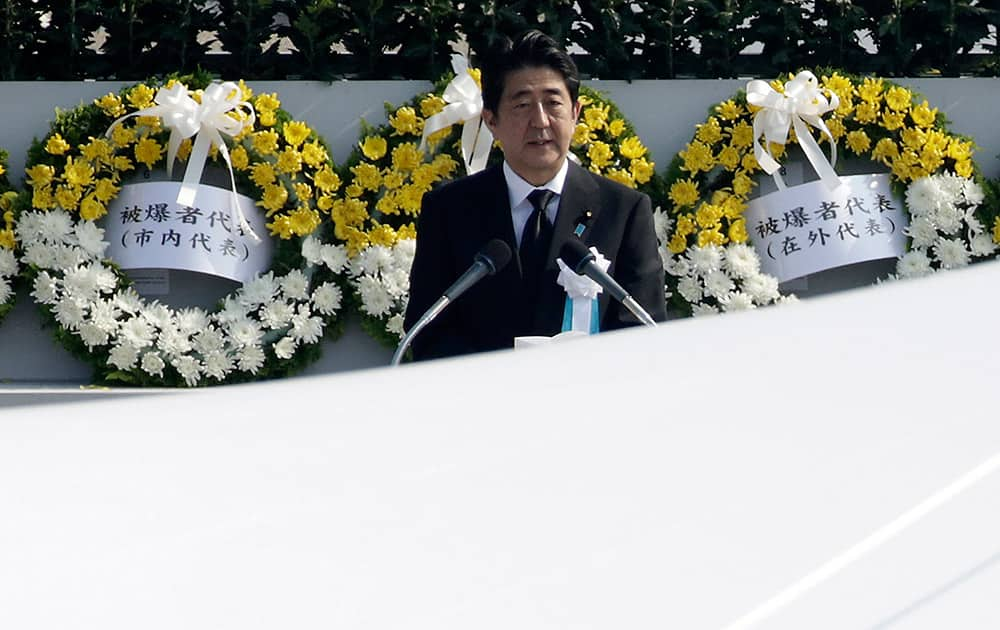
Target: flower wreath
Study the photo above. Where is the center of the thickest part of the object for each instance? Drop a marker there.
(387, 175)
(269, 327)
(711, 266)
(9, 266)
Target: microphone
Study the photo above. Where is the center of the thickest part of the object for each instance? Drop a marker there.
(581, 260)
(493, 257)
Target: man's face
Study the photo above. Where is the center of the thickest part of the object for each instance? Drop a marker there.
(534, 122)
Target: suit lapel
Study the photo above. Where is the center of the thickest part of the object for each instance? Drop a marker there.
(580, 195)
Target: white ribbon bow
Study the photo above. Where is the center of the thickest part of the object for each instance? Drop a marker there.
(582, 291)
(185, 117)
(465, 105)
(801, 105)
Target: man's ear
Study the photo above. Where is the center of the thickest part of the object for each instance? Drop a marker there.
(490, 118)
(577, 107)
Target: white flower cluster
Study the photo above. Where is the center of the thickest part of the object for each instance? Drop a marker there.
(83, 295)
(944, 232)
(717, 279)
(8, 269)
(381, 277)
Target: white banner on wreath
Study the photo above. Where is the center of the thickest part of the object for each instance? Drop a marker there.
(147, 228)
(810, 228)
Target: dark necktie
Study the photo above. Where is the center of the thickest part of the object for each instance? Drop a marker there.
(537, 234)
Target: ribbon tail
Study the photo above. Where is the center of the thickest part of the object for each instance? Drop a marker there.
(192, 174)
(173, 145)
(481, 147)
(815, 155)
(764, 157)
(443, 119)
(235, 211)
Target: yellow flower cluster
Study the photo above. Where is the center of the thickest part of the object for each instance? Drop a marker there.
(284, 160)
(7, 239)
(605, 145)
(880, 121)
(387, 182)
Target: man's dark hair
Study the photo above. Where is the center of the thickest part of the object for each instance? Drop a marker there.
(531, 49)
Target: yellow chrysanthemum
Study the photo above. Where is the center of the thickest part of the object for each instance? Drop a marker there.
(296, 132)
(326, 180)
(111, 105)
(677, 244)
(892, 120)
(836, 127)
(708, 215)
(393, 180)
(749, 163)
(281, 226)
(383, 235)
(148, 152)
(711, 236)
(697, 157)
(729, 157)
(42, 198)
(184, 150)
(408, 231)
(898, 98)
(40, 175)
(388, 204)
(959, 150)
(996, 230)
(616, 127)
(303, 191)
(56, 145)
(729, 110)
(367, 176)
(600, 154)
(105, 190)
(583, 134)
(265, 142)
(430, 105)
(141, 96)
(632, 148)
(262, 174)
(709, 132)
(858, 141)
(870, 91)
(866, 112)
(7, 240)
(642, 170)
(738, 231)
(267, 102)
(78, 173)
(839, 85)
(686, 225)
(741, 135)
(373, 147)
(406, 157)
(303, 221)
(274, 198)
(410, 198)
(91, 209)
(289, 161)
(621, 176)
(268, 118)
(963, 168)
(683, 193)
(96, 150)
(68, 197)
(314, 154)
(405, 121)
(122, 164)
(444, 165)
(885, 151)
(923, 115)
(240, 158)
(596, 116)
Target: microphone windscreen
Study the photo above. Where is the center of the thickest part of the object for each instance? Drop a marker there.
(497, 253)
(575, 253)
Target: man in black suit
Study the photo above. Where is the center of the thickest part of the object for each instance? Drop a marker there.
(530, 90)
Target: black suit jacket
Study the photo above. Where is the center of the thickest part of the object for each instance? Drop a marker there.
(458, 219)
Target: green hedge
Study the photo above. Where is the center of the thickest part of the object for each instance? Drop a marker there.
(376, 39)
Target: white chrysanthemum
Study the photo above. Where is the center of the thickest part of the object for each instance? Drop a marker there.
(231, 311)
(67, 257)
(375, 300)
(152, 364)
(106, 279)
(40, 255)
(158, 315)
(191, 320)
(285, 348)
(295, 285)
(973, 192)
(705, 259)
(276, 315)
(951, 253)
(217, 365)
(761, 287)
(128, 301)
(260, 290)
(700, 310)
(791, 298)
(8, 262)
(104, 314)
(250, 359)
(312, 249)
(677, 266)
(403, 252)
(718, 284)
(6, 291)
(973, 224)
(982, 245)
(174, 342)
(741, 260)
(138, 332)
(189, 368)
(327, 298)
(690, 289)
(372, 260)
(951, 185)
(91, 238)
(46, 288)
(913, 264)
(922, 231)
(93, 335)
(27, 228)
(947, 218)
(209, 341)
(69, 313)
(923, 196)
(245, 332)
(737, 301)
(334, 257)
(663, 225)
(123, 356)
(305, 327)
(396, 281)
(55, 226)
(395, 324)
